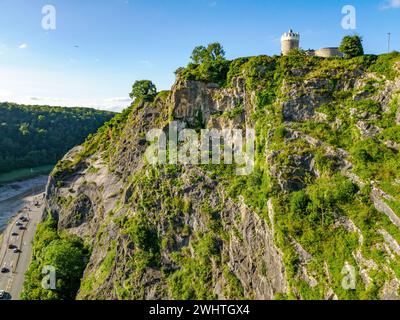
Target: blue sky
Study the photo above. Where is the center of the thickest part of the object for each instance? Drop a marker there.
(100, 47)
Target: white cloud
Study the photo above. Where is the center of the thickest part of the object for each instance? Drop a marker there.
(119, 99)
(23, 46)
(35, 98)
(390, 4)
(52, 99)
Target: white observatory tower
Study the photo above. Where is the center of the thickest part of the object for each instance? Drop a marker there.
(290, 40)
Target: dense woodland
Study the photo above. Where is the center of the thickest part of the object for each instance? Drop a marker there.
(32, 136)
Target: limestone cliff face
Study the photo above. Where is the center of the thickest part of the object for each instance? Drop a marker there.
(285, 231)
(91, 199)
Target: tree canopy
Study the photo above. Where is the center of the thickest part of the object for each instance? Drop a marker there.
(207, 64)
(66, 253)
(32, 136)
(213, 52)
(143, 90)
(352, 46)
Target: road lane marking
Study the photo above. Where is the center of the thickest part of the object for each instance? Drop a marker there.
(10, 283)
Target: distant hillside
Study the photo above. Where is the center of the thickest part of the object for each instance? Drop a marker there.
(32, 136)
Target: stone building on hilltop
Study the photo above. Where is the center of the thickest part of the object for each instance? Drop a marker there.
(291, 40)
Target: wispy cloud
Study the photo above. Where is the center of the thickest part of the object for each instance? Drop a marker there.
(390, 4)
(53, 99)
(147, 63)
(119, 99)
(23, 46)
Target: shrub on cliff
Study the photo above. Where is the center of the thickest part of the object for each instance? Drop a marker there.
(143, 90)
(352, 46)
(207, 64)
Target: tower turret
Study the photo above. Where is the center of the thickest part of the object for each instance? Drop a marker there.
(290, 40)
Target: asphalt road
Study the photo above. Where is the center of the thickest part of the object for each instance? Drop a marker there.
(17, 262)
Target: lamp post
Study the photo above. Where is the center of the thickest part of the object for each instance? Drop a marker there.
(389, 38)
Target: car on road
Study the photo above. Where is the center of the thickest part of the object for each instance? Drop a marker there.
(21, 228)
(2, 294)
(16, 250)
(14, 234)
(11, 246)
(5, 270)
(19, 224)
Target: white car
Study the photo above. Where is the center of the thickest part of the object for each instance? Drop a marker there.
(2, 294)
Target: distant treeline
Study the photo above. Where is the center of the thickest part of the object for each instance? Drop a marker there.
(32, 136)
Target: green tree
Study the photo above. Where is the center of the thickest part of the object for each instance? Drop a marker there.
(69, 260)
(207, 64)
(213, 52)
(143, 90)
(199, 55)
(24, 129)
(66, 253)
(352, 46)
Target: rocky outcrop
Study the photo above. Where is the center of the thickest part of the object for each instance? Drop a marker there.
(386, 95)
(368, 130)
(254, 257)
(302, 99)
(382, 206)
(199, 103)
(203, 230)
